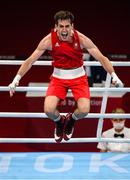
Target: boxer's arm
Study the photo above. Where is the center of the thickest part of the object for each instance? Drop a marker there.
(96, 53)
(41, 48)
(44, 44)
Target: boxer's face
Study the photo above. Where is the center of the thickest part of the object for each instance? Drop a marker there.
(64, 29)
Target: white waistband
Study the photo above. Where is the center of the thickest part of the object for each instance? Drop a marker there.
(68, 73)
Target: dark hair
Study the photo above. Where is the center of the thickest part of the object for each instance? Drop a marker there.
(63, 15)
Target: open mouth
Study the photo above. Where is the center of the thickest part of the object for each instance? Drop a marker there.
(64, 34)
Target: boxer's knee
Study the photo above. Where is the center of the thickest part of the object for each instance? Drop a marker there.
(50, 107)
(83, 105)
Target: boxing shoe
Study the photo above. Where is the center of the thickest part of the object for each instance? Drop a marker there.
(59, 127)
(69, 127)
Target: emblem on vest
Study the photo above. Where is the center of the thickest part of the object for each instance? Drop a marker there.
(57, 44)
(76, 45)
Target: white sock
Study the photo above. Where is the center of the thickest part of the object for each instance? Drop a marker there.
(74, 117)
(57, 119)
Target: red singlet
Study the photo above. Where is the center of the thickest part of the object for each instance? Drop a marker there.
(66, 55)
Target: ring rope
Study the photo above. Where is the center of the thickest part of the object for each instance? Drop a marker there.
(72, 140)
(49, 63)
(92, 89)
(43, 115)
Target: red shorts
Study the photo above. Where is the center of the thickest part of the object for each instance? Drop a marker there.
(78, 86)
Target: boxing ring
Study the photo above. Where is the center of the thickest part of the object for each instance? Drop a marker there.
(57, 165)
